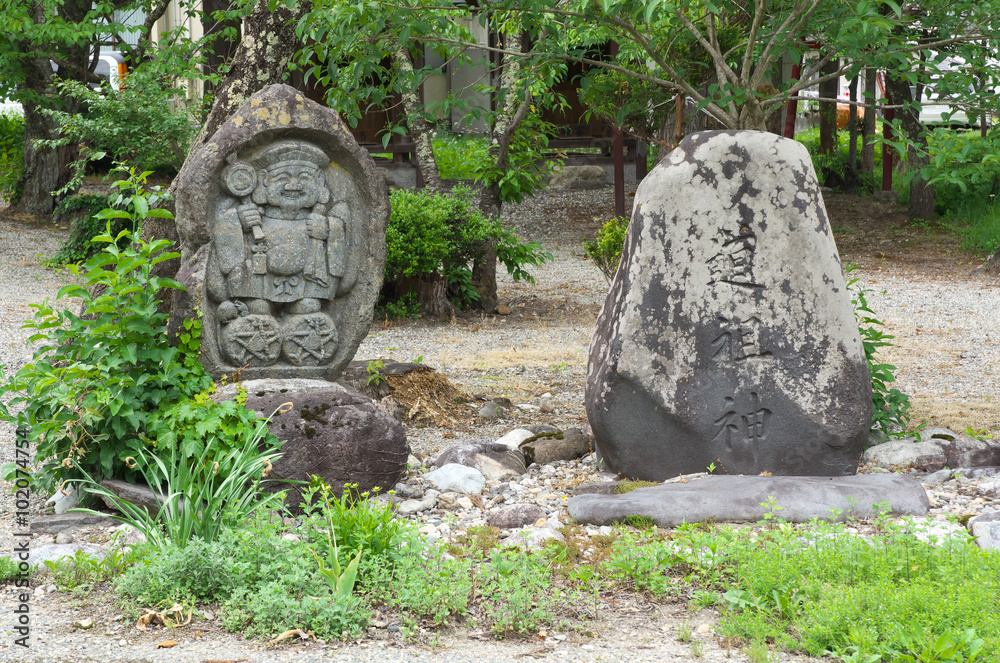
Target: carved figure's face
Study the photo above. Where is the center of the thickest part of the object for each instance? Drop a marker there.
(292, 186)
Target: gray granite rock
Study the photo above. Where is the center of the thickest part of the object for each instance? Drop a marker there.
(728, 334)
(902, 452)
(496, 461)
(546, 448)
(514, 438)
(139, 495)
(986, 528)
(69, 521)
(457, 478)
(281, 218)
(572, 177)
(933, 453)
(410, 506)
(516, 515)
(741, 498)
(331, 431)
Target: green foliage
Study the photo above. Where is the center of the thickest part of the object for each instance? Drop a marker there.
(826, 591)
(203, 492)
(81, 246)
(146, 123)
(442, 234)
(421, 580)
(343, 528)
(82, 570)
(528, 167)
(979, 225)
(257, 577)
(406, 307)
(890, 406)
(518, 593)
(11, 156)
(606, 250)
(836, 162)
(97, 376)
(8, 569)
(455, 154)
(200, 427)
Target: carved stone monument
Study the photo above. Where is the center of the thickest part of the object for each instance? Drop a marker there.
(728, 336)
(281, 217)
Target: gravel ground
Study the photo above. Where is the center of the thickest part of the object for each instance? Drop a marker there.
(947, 351)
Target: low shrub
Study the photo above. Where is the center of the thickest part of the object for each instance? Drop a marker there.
(606, 250)
(436, 235)
(11, 157)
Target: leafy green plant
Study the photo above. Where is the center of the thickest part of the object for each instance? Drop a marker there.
(84, 570)
(201, 428)
(11, 156)
(97, 376)
(890, 406)
(421, 580)
(606, 250)
(529, 168)
(433, 236)
(202, 493)
(255, 575)
(518, 593)
(374, 370)
(86, 226)
(146, 123)
(350, 524)
(406, 307)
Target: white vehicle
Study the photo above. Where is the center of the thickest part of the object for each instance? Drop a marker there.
(110, 67)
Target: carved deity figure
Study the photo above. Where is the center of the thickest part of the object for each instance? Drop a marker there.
(278, 257)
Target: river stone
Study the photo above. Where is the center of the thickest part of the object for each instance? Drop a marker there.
(495, 461)
(546, 448)
(728, 334)
(331, 431)
(281, 218)
(457, 478)
(986, 528)
(743, 498)
(515, 516)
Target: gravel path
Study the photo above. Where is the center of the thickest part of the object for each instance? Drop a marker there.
(947, 352)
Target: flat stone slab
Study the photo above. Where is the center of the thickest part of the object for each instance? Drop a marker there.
(741, 499)
(68, 521)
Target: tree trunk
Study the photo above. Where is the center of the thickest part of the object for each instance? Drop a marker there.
(420, 129)
(828, 111)
(42, 167)
(432, 294)
(484, 268)
(921, 194)
(262, 58)
(868, 125)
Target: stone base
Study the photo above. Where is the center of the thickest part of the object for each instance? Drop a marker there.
(331, 431)
(742, 499)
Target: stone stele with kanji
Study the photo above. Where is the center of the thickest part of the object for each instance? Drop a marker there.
(728, 338)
